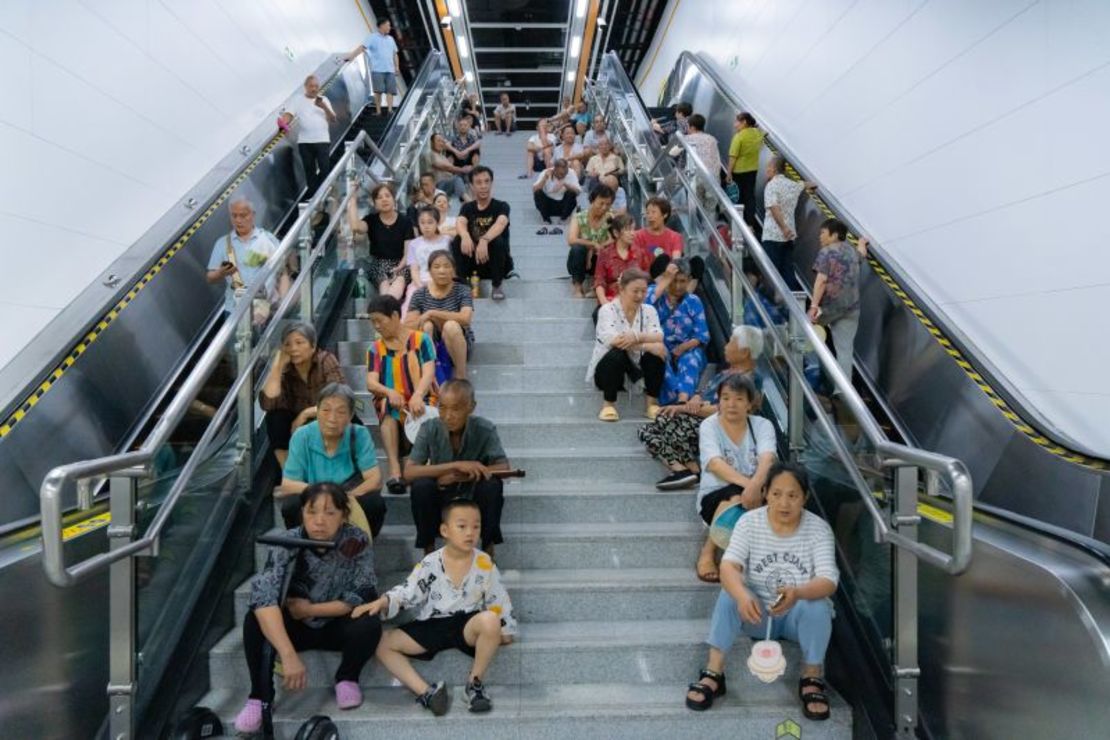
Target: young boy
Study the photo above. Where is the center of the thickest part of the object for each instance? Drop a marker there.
(836, 291)
(460, 603)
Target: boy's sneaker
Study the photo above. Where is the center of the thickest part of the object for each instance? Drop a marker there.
(476, 698)
(249, 719)
(677, 480)
(435, 699)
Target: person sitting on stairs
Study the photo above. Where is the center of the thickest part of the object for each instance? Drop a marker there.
(444, 309)
(460, 603)
(401, 374)
(629, 342)
(317, 613)
(455, 455)
(737, 449)
(780, 565)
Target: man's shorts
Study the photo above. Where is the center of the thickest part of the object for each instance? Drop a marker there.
(439, 634)
(384, 82)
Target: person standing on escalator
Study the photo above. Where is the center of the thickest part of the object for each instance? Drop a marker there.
(780, 201)
(238, 257)
(743, 164)
(313, 113)
(385, 64)
(835, 303)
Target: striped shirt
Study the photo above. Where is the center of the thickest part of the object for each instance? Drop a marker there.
(771, 562)
(456, 300)
(400, 370)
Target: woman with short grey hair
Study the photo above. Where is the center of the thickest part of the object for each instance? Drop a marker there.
(298, 371)
(333, 450)
(673, 437)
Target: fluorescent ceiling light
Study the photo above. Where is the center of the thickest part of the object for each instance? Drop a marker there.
(575, 47)
(571, 75)
(453, 7)
(469, 76)
(580, 9)
(445, 20)
(464, 51)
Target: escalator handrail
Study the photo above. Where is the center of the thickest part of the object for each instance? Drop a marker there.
(136, 463)
(983, 365)
(950, 469)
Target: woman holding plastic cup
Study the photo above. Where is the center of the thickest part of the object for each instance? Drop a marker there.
(780, 565)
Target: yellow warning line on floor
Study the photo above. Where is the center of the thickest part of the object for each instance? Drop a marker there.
(1012, 416)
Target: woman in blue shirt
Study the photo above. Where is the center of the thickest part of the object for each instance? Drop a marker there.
(333, 450)
(685, 331)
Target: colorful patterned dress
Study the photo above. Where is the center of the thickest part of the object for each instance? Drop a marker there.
(681, 323)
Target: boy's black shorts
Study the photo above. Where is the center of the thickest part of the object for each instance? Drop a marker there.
(439, 634)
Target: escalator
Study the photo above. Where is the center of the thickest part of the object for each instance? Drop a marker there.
(109, 400)
(1019, 644)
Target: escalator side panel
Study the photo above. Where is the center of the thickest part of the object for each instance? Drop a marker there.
(1015, 647)
(935, 403)
(90, 410)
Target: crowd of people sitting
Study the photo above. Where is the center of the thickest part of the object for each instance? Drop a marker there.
(651, 327)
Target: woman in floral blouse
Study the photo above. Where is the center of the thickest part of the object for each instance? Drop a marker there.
(685, 331)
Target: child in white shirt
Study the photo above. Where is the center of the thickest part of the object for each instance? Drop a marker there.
(459, 602)
(418, 250)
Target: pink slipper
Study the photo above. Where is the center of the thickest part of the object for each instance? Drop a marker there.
(348, 695)
(249, 719)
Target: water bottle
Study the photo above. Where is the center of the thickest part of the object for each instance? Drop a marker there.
(475, 290)
(362, 284)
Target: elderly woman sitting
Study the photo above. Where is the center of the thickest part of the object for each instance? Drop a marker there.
(444, 309)
(298, 372)
(589, 232)
(672, 438)
(685, 331)
(629, 343)
(333, 450)
(794, 595)
(450, 177)
(315, 615)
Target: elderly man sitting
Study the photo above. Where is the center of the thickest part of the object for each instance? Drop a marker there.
(455, 455)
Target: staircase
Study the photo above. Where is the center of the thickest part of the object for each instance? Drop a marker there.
(598, 563)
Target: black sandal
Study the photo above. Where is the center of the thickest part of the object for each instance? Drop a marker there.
(396, 486)
(814, 697)
(708, 694)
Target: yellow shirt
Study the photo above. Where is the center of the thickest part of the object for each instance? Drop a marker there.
(745, 147)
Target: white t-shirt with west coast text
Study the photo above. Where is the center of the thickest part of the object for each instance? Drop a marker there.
(771, 561)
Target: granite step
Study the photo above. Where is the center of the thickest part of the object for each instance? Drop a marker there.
(553, 546)
(585, 595)
(560, 652)
(608, 710)
(572, 435)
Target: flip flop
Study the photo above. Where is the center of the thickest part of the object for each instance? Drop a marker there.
(709, 576)
(609, 414)
(541, 231)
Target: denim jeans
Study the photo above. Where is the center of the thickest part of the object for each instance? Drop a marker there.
(808, 623)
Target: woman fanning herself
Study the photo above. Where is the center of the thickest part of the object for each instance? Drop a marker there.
(629, 344)
(325, 586)
(401, 373)
(444, 309)
(780, 565)
(388, 231)
(685, 331)
(672, 438)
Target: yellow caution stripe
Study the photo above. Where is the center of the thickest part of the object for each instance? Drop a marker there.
(1012, 416)
(105, 321)
(86, 525)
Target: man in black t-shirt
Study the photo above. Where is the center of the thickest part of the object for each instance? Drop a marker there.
(483, 227)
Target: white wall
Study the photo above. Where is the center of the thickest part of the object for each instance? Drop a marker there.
(970, 139)
(110, 110)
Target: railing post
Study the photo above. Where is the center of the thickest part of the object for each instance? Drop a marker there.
(796, 414)
(245, 400)
(304, 250)
(904, 519)
(121, 611)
